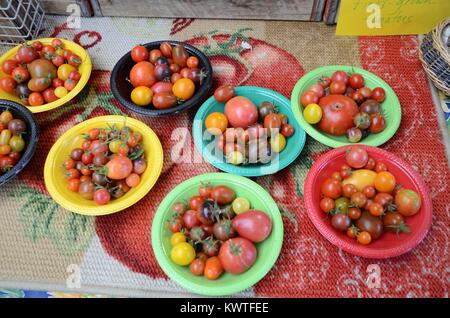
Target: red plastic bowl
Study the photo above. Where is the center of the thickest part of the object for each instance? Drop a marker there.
(389, 244)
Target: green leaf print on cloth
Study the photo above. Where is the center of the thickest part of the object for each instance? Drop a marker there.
(44, 218)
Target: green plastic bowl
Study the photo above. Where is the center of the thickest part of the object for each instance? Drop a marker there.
(391, 107)
(257, 95)
(227, 284)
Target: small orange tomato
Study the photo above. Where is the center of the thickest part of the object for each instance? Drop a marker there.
(216, 123)
(213, 268)
(364, 238)
(35, 99)
(385, 182)
(376, 209)
(133, 180)
(5, 149)
(192, 62)
(183, 88)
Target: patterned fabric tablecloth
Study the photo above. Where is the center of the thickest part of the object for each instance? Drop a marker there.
(39, 240)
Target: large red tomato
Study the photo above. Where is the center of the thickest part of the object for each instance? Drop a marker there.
(241, 112)
(142, 74)
(254, 225)
(237, 255)
(337, 114)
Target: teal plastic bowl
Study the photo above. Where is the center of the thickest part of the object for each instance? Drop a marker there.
(226, 284)
(390, 107)
(257, 95)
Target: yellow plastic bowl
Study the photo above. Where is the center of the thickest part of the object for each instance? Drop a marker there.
(85, 69)
(54, 172)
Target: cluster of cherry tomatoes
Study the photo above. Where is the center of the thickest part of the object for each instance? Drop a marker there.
(41, 73)
(364, 199)
(11, 142)
(247, 134)
(109, 162)
(216, 232)
(164, 77)
(342, 105)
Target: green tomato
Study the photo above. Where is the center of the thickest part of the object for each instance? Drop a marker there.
(5, 136)
(342, 205)
(240, 205)
(17, 143)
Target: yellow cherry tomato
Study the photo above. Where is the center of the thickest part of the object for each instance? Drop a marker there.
(216, 123)
(182, 254)
(114, 146)
(361, 178)
(240, 205)
(176, 238)
(184, 88)
(64, 71)
(61, 91)
(235, 158)
(312, 113)
(277, 143)
(142, 95)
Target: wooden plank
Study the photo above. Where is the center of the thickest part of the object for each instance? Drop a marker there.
(212, 9)
(59, 7)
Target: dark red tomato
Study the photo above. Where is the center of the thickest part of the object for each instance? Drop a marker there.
(223, 194)
(175, 224)
(195, 202)
(98, 147)
(210, 247)
(272, 122)
(324, 81)
(162, 72)
(58, 60)
(378, 94)
(75, 75)
(57, 43)
(8, 66)
(366, 92)
(6, 163)
(223, 230)
(174, 68)
(340, 76)
(180, 55)
(102, 196)
(175, 77)
(356, 157)
(326, 205)
(197, 267)
(377, 123)
(179, 208)
(369, 223)
(162, 87)
(309, 97)
(287, 130)
(237, 255)
(385, 199)
(190, 219)
(394, 222)
(369, 191)
(331, 188)
(358, 199)
(253, 225)
(164, 100)
(87, 158)
(37, 45)
(7, 84)
(224, 93)
(348, 190)
(49, 95)
(408, 202)
(197, 234)
(341, 222)
(166, 49)
(370, 164)
(57, 82)
(27, 54)
(139, 53)
(357, 97)
(318, 89)
(356, 81)
(370, 107)
(206, 212)
(338, 112)
(337, 87)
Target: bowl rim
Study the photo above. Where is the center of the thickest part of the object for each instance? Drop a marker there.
(143, 189)
(197, 99)
(257, 170)
(353, 248)
(166, 265)
(30, 149)
(323, 138)
(78, 88)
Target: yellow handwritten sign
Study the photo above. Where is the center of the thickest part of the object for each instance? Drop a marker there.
(390, 17)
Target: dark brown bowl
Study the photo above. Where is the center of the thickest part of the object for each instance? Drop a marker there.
(121, 87)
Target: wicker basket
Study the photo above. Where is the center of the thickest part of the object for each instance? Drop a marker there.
(435, 55)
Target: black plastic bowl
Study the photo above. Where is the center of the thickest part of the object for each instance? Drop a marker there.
(121, 87)
(31, 137)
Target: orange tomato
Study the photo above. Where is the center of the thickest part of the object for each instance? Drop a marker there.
(142, 74)
(142, 95)
(213, 268)
(364, 238)
(183, 88)
(385, 181)
(35, 99)
(216, 123)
